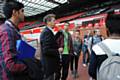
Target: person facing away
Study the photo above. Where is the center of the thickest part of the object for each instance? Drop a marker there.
(77, 46)
(9, 64)
(49, 49)
(112, 42)
(64, 40)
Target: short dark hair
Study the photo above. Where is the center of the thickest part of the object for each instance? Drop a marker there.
(10, 6)
(113, 23)
(48, 17)
(96, 30)
(67, 23)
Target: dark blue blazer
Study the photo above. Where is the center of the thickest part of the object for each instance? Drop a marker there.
(49, 50)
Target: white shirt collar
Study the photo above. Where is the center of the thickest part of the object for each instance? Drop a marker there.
(8, 22)
(112, 44)
(51, 30)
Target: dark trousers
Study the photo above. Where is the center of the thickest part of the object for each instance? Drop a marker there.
(51, 71)
(51, 77)
(86, 55)
(64, 66)
(58, 73)
(55, 76)
(74, 60)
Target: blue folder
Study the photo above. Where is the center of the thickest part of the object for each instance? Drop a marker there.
(24, 50)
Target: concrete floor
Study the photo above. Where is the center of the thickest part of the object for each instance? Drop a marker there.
(82, 71)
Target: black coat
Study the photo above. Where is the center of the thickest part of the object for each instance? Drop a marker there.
(49, 49)
(95, 63)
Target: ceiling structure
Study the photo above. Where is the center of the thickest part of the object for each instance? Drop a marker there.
(1, 12)
(76, 6)
(34, 7)
(37, 9)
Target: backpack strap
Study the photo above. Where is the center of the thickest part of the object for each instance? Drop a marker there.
(105, 49)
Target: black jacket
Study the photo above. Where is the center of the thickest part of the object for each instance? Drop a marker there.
(49, 49)
(95, 63)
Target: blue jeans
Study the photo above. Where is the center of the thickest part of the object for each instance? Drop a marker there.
(85, 54)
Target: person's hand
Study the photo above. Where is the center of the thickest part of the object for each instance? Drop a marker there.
(60, 50)
(75, 53)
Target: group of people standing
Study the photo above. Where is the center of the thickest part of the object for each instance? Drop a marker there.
(58, 50)
(91, 38)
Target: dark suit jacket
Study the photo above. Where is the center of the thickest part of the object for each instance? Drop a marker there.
(49, 49)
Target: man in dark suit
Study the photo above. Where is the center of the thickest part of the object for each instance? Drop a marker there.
(49, 49)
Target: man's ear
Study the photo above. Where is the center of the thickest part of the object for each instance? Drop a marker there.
(14, 12)
(108, 33)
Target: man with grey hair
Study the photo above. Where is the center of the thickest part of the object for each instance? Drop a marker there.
(49, 49)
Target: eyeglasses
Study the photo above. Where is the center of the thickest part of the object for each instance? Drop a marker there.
(52, 19)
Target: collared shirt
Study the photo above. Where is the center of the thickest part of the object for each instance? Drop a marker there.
(8, 61)
(112, 44)
(51, 30)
